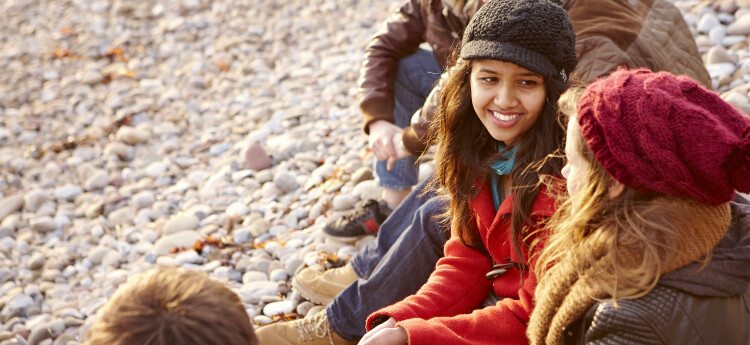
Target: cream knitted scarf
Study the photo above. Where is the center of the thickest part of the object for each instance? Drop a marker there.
(563, 295)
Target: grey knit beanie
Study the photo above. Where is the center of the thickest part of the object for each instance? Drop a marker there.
(534, 34)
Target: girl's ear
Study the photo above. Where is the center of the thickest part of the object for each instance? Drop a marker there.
(615, 189)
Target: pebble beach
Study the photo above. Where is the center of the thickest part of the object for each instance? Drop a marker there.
(219, 136)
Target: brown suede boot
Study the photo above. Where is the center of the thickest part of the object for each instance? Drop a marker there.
(312, 330)
(322, 287)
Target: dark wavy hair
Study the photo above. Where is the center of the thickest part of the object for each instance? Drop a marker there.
(465, 150)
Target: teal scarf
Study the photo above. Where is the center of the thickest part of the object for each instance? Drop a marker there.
(502, 167)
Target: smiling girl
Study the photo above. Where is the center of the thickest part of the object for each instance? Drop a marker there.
(495, 130)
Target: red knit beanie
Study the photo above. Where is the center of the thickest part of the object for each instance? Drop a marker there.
(659, 133)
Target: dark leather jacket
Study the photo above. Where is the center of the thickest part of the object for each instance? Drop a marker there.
(708, 307)
(418, 21)
(610, 33)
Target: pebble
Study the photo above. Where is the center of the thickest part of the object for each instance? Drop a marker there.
(43, 224)
(741, 26)
(132, 136)
(181, 222)
(255, 157)
(122, 216)
(182, 239)
(276, 308)
(9, 205)
(343, 202)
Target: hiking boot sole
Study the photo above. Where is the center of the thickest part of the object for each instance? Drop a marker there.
(309, 294)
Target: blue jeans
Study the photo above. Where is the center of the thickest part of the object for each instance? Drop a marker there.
(415, 78)
(409, 244)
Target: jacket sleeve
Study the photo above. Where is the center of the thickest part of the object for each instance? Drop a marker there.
(400, 36)
(441, 311)
(415, 136)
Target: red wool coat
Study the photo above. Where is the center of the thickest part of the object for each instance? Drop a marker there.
(443, 310)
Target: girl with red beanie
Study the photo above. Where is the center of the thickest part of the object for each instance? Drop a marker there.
(652, 246)
(495, 128)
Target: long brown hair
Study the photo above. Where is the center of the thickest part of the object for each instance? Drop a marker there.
(628, 241)
(465, 150)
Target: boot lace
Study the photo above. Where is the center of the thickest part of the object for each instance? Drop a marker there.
(315, 327)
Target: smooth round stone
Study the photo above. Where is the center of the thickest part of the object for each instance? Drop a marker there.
(258, 226)
(738, 101)
(38, 335)
(226, 273)
(257, 289)
(285, 181)
(264, 176)
(291, 265)
(96, 208)
(733, 39)
(98, 180)
(725, 18)
(67, 192)
(142, 199)
(121, 151)
(270, 190)
(36, 261)
(188, 257)
(241, 236)
(32, 200)
(5, 231)
(343, 201)
(261, 264)
(166, 261)
(717, 34)
(91, 77)
(707, 22)
(254, 276)
(39, 320)
(237, 209)
(132, 136)
(255, 157)
(181, 222)
(262, 320)
(122, 216)
(720, 69)
(156, 169)
(278, 275)
(20, 302)
(741, 26)
(67, 339)
(201, 211)
(304, 307)
(43, 224)
(272, 246)
(182, 239)
(279, 308)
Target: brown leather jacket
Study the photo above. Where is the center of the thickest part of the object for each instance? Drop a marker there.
(610, 33)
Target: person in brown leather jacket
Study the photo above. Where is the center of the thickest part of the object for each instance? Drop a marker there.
(648, 246)
(398, 73)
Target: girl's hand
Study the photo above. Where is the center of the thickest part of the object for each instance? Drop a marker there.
(381, 139)
(401, 151)
(385, 334)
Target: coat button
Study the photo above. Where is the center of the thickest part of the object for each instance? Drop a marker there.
(505, 216)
